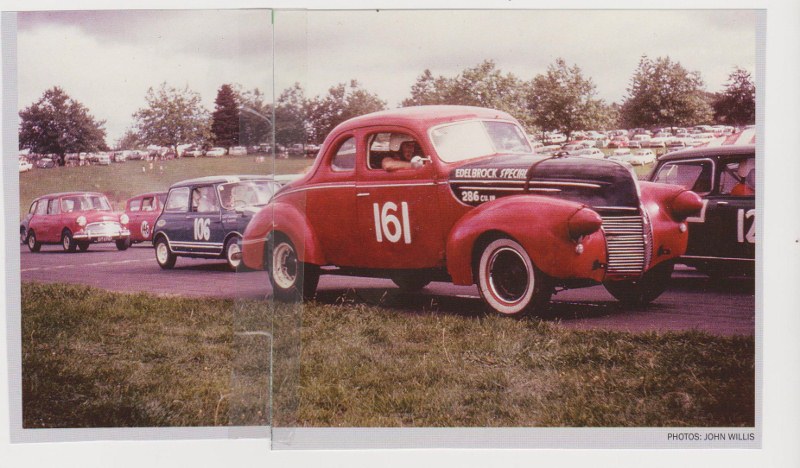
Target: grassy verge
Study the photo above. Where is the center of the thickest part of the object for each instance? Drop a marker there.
(120, 181)
(94, 358)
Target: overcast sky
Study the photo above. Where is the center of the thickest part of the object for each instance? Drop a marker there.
(107, 60)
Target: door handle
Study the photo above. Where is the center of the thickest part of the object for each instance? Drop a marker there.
(362, 194)
(722, 203)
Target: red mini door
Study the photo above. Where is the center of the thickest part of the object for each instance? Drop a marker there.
(398, 226)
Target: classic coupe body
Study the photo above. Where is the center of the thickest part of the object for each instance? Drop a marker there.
(75, 220)
(474, 205)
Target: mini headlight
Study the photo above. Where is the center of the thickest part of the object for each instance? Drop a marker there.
(81, 220)
(124, 219)
(682, 227)
(579, 249)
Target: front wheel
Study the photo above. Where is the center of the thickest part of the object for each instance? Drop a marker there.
(164, 256)
(644, 290)
(291, 279)
(509, 282)
(67, 242)
(233, 253)
(123, 244)
(84, 246)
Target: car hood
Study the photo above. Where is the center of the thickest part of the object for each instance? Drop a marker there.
(98, 216)
(597, 183)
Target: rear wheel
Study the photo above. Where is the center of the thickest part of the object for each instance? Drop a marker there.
(644, 290)
(67, 242)
(291, 279)
(33, 244)
(23, 236)
(509, 282)
(164, 256)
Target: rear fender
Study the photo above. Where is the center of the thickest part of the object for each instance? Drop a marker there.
(539, 224)
(285, 219)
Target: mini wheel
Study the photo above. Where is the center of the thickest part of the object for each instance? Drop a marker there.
(509, 282)
(644, 290)
(290, 278)
(67, 242)
(233, 253)
(84, 246)
(33, 244)
(123, 244)
(164, 256)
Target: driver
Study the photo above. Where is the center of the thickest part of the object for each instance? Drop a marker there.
(746, 173)
(403, 161)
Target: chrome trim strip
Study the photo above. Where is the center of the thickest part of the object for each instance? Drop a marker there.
(700, 257)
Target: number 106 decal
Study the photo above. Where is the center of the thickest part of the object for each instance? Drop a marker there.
(388, 225)
(202, 230)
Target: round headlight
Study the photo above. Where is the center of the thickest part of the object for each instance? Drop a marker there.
(81, 220)
(124, 219)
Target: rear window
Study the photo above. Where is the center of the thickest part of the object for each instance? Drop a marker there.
(691, 175)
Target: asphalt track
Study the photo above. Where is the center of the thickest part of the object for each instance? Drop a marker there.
(693, 301)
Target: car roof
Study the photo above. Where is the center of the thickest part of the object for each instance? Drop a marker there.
(221, 179)
(710, 151)
(148, 194)
(422, 117)
(67, 194)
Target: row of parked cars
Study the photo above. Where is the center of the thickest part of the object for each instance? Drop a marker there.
(439, 193)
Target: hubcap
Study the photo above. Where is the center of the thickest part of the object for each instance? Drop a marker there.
(234, 252)
(284, 266)
(508, 275)
(162, 253)
(66, 242)
(31, 241)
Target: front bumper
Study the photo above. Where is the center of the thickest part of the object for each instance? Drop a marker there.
(102, 232)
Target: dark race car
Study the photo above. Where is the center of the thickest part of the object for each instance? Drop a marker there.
(205, 217)
(722, 237)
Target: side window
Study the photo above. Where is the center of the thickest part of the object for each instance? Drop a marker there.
(32, 209)
(391, 145)
(738, 178)
(135, 205)
(53, 207)
(345, 158)
(691, 175)
(148, 204)
(41, 208)
(204, 200)
(178, 200)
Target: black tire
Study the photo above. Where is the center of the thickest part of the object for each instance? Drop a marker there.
(508, 281)
(290, 278)
(84, 246)
(232, 246)
(644, 290)
(67, 242)
(164, 256)
(123, 244)
(23, 236)
(33, 244)
(410, 281)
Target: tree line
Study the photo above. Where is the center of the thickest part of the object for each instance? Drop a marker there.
(661, 92)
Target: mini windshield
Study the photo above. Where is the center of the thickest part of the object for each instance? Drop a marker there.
(466, 140)
(246, 193)
(84, 203)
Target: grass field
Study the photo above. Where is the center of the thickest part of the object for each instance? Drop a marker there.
(120, 181)
(93, 358)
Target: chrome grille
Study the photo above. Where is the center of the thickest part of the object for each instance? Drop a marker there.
(625, 239)
(105, 228)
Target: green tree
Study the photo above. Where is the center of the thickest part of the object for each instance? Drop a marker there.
(737, 104)
(255, 118)
(563, 99)
(225, 119)
(58, 124)
(663, 92)
(290, 116)
(343, 102)
(172, 117)
(130, 140)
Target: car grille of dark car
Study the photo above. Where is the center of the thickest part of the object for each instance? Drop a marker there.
(626, 239)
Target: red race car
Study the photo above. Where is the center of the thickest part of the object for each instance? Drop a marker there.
(452, 193)
(75, 220)
(142, 211)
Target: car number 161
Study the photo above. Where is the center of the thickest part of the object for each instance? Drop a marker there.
(388, 225)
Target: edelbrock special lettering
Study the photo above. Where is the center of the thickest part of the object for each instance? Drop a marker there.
(513, 173)
(477, 173)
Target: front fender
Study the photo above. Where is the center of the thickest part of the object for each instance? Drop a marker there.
(284, 218)
(668, 240)
(540, 225)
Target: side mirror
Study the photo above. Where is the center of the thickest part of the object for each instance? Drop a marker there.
(419, 161)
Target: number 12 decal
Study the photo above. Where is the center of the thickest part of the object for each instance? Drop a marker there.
(388, 225)
(750, 237)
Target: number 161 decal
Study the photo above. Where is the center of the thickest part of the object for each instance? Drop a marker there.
(388, 225)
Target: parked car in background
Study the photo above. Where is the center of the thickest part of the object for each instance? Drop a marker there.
(216, 152)
(722, 237)
(193, 152)
(103, 159)
(205, 217)
(142, 211)
(237, 151)
(45, 163)
(641, 157)
(75, 220)
(593, 153)
(618, 142)
(515, 223)
(24, 165)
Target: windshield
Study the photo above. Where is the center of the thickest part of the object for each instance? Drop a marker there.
(467, 140)
(85, 203)
(246, 193)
